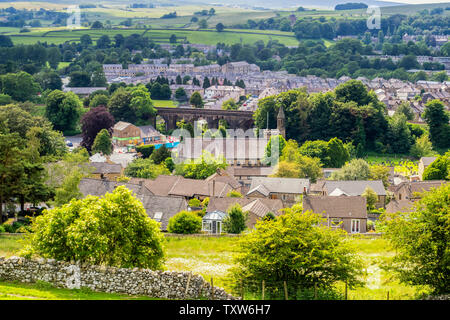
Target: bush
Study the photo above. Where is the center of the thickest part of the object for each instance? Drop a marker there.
(235, 221)
(2, 229)
(297, 248)
(112, 230)
(421, 241)
(145, 150)
(185, 222)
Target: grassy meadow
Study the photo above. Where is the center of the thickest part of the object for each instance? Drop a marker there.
(212, 257)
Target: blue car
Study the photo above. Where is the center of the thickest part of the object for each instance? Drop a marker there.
(69, 144)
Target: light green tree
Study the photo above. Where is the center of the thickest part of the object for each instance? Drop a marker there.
(103, 143)
(421, 241)
(112, 230)
(235, 220)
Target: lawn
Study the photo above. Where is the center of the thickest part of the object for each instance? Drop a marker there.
(165, 103)
(402, 164)
(207, 36)
(212, 257)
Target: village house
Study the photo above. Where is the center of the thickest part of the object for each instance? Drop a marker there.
(347, 213)
(165, 185)
(125, 133)
(404, 205)
(237, 151)
(216, 92)
(349, 188)
(83, 91)
(424, 162)
(159, 208)
(408, 190)
(288, 190)
(256, 209)
(105, 170)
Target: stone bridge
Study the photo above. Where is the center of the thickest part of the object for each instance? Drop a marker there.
(235, 119)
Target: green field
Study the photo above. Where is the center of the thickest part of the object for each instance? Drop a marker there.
(165, 103)
(212, 257)
(208, 36)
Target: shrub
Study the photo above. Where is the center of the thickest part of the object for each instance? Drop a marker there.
(297, 248)
(185, 222)
(145, 150)
(235, 221)
(112, 230)
(421, 241)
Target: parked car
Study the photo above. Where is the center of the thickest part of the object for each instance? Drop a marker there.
(69, 144)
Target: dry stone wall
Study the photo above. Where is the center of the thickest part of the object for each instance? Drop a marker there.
(159, 284)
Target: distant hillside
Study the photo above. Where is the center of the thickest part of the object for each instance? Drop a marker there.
(319, 4)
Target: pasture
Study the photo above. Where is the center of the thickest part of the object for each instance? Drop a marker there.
(212, 257)
(207, 36)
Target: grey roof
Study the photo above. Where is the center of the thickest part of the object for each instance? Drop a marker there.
(281, 185)
(215, 215)
(427, 160)
(149, 131)
(165, 206)
(336, 207)
(104, 167)
(355, 187)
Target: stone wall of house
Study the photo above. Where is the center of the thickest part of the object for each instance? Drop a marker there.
(159, 284)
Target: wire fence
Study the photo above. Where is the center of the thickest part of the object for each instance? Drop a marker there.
(252, 289)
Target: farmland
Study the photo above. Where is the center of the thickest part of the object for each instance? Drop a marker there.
(213, 257)
(209, 37)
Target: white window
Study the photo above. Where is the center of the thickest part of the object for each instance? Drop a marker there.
(355, 226)
(206, 226)
(335, 222)
(158, 215)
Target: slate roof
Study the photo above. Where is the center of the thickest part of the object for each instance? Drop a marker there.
(337, 207)
(354, 187)
(167, 206)
(281, 185)
(260, 207)
(426, 161)
(400, 205)
(104, 167)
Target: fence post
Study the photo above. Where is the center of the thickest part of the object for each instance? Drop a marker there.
(388, 295)
(263, 288)
(315, 291)
(242, 289)
(285, 291)
(346, 289)
(187, 284)
(212, 289)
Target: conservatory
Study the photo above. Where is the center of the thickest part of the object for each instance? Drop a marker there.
(212, 222)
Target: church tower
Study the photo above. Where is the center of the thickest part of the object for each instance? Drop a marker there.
(281, 126)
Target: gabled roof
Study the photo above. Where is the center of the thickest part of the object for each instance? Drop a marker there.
(121, 125)
(258, 208)
(336, 207)
(354, 187)
(260, 188)
(400, 205)
(159, 208)
(281, 185)
(223, 204)
(426, 161)
(104, 167)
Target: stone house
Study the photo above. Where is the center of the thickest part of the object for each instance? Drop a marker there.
(288, 190)
(411, 190)
(125, 133)
(159, 208)
(350, 188)
(256, 208)
(345, 212)
(424, 162)
(105, 170)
